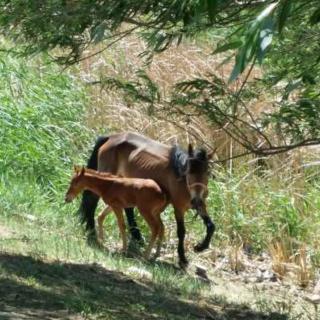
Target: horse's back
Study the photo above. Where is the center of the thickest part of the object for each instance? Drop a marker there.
(133, 155)
(135, 141)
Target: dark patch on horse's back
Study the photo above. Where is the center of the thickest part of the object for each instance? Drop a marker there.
(178, 161)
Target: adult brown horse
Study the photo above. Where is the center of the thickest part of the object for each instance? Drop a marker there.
(182, 175)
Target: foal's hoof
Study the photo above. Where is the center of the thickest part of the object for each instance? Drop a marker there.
(200, 247)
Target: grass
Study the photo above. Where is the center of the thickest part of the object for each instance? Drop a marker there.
(261, 208)
(41, 121)
(53, 270)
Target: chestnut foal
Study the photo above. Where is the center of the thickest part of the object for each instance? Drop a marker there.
(119, 193)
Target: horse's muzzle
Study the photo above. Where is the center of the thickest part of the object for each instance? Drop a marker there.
(67, 199)
(196, 203)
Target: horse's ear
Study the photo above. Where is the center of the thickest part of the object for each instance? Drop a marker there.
(76, 168)
(211, 154)
(82, 171)
(190, 150)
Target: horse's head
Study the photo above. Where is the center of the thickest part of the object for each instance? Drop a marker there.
(197, 176)
(76, 184)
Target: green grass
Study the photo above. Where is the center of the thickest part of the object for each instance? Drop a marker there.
(42, 115)
(256, 209)
(53, 268)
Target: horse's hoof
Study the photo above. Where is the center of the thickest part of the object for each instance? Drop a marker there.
(136, 243)
(146, 257)
(156, 255)
(183, 264)
(93, 242)
(200, 247)
(136, 236)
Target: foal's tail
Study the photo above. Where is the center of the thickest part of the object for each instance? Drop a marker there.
(90, 200)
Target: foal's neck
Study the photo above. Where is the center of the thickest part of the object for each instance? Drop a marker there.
(96, 184)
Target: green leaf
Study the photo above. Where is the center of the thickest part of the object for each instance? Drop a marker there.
(265, 37)
(315, 18)
(292, 85)
(98, 33)
(212, 6)
(266, 12)
(284, 12)
(228, 46)
(235, 72)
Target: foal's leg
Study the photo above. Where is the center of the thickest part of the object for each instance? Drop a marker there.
(122, 227)
(101, 218)
(181, 231)
(154, 227)
(134, 230)
(160, 236)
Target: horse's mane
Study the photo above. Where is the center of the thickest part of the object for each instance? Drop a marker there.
(178, 161)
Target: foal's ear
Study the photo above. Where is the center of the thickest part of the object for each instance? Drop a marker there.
(190, 150)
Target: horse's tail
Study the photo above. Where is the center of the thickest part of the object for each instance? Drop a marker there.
(90, 200)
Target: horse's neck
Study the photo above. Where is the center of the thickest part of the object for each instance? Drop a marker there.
(98, 185)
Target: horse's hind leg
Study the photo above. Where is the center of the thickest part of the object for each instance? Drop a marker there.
(101, 217)
(134, 230)
(122, 227)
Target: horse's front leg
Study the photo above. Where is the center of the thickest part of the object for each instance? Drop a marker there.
(210, 230)
(181, 232)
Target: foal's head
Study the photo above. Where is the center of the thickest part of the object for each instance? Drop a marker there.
(197, 176)
(76, 184)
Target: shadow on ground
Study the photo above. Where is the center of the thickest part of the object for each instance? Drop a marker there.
(33, 289)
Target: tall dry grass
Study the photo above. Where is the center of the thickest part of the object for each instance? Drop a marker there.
(110, 111)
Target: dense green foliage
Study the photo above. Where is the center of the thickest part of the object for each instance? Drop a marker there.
(42, 114)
